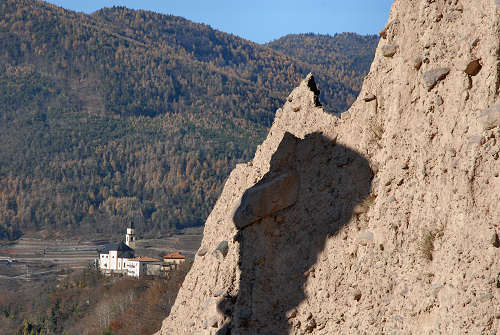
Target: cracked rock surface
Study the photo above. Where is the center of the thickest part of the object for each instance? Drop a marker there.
(387, 219)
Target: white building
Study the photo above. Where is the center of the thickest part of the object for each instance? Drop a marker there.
(120, 258)
(138, 266)
(113, 259)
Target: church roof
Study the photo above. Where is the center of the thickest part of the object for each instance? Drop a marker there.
(124, 251)
(126, 254)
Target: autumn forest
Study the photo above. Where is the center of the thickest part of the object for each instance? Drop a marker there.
(132, 116)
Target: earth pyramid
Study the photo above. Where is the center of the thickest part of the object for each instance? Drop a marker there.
(385, 220)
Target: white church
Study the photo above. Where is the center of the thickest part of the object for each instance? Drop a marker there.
(119, 258)
(114, 257)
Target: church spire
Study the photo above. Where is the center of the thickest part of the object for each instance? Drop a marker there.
(130, 236)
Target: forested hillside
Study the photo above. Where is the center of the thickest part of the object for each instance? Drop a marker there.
(347, 56)
(127, 115)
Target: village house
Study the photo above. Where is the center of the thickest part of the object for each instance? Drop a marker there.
(143, 265)
(120, 258)
(158, 269)
(174, 258)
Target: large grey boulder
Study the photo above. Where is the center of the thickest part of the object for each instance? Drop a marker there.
(266, 199)
(431, 77)
(490, 118)
(222, 248)
(389, 50)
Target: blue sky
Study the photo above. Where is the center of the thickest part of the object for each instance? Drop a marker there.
(262, 20)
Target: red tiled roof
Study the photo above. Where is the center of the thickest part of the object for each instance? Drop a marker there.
(174, 255)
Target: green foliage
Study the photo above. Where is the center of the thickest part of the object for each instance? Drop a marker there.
(127, 115)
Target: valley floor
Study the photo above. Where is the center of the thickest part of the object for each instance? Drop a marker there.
(32, 258)
(51, 287)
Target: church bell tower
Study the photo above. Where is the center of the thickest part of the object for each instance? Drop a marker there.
(130, 236)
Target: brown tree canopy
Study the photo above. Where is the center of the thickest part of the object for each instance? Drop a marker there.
(127, 115)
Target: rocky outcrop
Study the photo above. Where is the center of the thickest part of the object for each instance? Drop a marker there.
(274, 193)
(384, 220)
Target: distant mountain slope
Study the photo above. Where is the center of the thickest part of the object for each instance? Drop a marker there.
(346, 56)
(127, 115)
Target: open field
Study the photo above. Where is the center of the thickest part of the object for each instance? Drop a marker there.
(30, 258)
(186, 244)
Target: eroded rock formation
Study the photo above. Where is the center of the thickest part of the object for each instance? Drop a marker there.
(385, 220)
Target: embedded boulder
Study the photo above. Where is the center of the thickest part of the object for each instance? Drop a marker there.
(431, 77)
(389, 50)
(473, 67)
(266, 198)
(490, 118)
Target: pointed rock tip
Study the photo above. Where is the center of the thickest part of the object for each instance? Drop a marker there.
(310, 84)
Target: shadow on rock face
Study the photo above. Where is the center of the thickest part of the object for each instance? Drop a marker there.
(284, 221)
